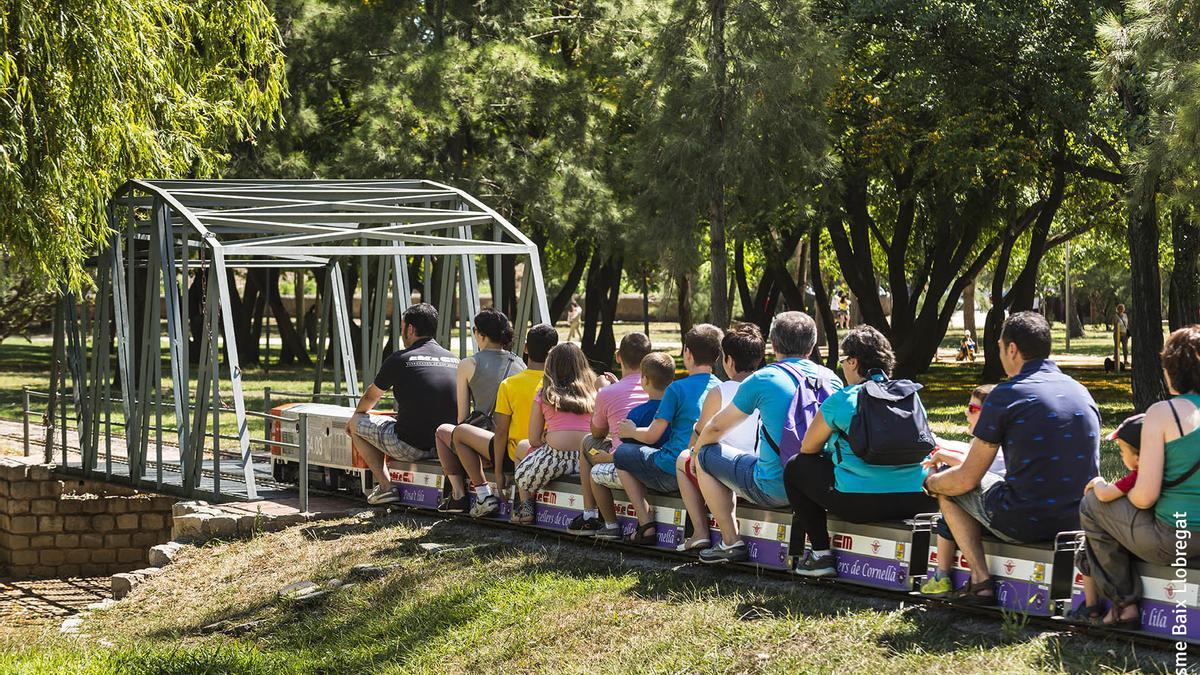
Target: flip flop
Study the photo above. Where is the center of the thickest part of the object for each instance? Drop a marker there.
(1132, 623)
(972, 594)
(693, 544)
(644, 535)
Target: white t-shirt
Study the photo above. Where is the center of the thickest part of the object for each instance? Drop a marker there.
(745, 435)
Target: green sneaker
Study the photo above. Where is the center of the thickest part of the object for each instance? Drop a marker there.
(937, 585)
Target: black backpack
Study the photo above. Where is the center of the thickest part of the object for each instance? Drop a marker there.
(890, 427)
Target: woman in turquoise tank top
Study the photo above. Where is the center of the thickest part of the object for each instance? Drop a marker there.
(1164, 501)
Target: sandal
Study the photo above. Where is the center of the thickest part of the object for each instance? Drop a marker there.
(973, 594)
(694, 544)
(644, 535)
(1091, 615)
(1132, 623)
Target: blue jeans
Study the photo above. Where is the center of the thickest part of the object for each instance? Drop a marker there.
(639, 461)
(735, 469)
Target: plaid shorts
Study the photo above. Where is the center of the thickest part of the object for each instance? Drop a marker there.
(380, 432)
(606, 475)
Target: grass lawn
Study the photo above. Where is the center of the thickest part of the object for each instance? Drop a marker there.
(507, 602)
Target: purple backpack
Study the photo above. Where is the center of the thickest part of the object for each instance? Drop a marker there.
(810, 393)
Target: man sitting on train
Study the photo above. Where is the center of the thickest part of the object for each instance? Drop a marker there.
(1049, 427)
(422, 379)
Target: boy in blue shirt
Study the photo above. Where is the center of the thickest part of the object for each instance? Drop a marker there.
(639, 464)
(657, 373)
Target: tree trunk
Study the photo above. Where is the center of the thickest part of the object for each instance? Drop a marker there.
(743, 284)
(969, 309)
(993, 369)
(716, 201)
(558, 306)
(293, 343)
(822, 299)
(683, 288)
(599, 309)
(1145, 318)
(1184, 308)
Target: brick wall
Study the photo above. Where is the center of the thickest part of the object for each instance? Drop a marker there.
(55, 527)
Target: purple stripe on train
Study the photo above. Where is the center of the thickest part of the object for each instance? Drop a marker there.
(419, 495)
(1019, 595)
(881, 572)
(1158, 617)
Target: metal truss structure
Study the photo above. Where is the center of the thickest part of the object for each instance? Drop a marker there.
(169, 233)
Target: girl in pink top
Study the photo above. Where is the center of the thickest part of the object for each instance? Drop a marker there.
(560, 418)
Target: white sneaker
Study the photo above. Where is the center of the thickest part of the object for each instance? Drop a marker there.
(382, 495)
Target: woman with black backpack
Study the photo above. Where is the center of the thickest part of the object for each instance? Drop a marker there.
(861, 456)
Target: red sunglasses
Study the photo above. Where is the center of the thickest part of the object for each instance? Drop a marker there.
(974, 407)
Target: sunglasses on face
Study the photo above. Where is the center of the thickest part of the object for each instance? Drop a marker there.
(974, 408)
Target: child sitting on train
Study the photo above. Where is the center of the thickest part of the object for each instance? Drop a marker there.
(952, 453)
(614, 400)
(560, 417)
(640, 465)
(1129, 439)
(657, 373)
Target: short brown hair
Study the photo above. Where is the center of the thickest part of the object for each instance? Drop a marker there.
(871, 348)
(981, 392)
(704, 342)
(743, 343)
(1181, 359)
(659, 369)
(634, 347)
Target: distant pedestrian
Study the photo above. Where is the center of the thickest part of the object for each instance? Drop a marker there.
(1121, 337)
(574, 319)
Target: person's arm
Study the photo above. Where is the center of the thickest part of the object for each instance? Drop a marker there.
(500, 447)
(816, 436)
(647, 435)
(600, 418)
(709, 412)
(1105, 491)
(965, 477)
(1152, 457)
(466, 370)
(368, 401)
(537, 425)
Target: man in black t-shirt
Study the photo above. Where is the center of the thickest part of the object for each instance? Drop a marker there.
(422, 378)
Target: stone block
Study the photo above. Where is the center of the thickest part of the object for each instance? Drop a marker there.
(153, 521)
(247, 523)
(79, 556)
(91, 540)
(92, 505)
(3, 487)
(92, 570)
(123, 584)
(127, 521)
(39, 471)
(115, 505)
(43, 572)
(139, 505)
(24, 557)
(69, 506)
(3, 504)
(50, 488)
(43, 507)
(17, 542)
(77, 523)
(116, 540)
(103, 523)
(17, 507)
(66, 541)
(104, 556)
(50, 523)
(131, 555)
(183, 508)
(222, 526)
(52, 557)
(5, 522)
(162, 503)
(41, 541)
(145, 539)
(68, 571)
(23, 490)
(23, 525)
(190, 527)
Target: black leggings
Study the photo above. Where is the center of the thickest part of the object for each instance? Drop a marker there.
(808, 480)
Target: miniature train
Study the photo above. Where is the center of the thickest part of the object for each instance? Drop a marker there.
(1039, 580)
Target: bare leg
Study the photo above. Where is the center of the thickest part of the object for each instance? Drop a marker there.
(586, 486)
(946, 549)
(1091, 594)
(523, 450)
(449, 461)
(692, 499)
(375, 459)
(637, 496)
(721, 502)
(966, 531)
(471, 445)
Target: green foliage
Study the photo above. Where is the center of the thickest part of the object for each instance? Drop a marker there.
(94, 93)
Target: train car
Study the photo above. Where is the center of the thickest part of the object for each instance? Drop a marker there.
(886, 555)
(767, 533)
(559, 502)
(1170, 603)
(1029, 578)
(330, 454)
